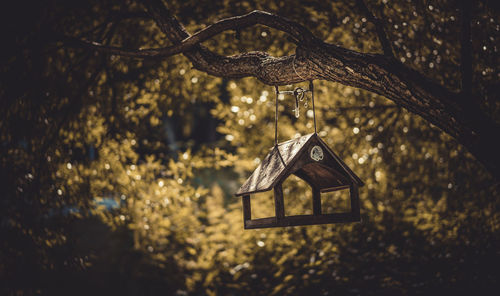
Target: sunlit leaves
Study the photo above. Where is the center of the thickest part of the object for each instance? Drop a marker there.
(93, 136)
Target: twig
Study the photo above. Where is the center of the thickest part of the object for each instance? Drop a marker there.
(379, 27)
(364, 107)
(297, 31)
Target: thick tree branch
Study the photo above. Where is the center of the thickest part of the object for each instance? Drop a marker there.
(376, 73)
(315, 59)
(379, 27)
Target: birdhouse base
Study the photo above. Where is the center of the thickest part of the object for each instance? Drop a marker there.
(301, 220)
(317, 218)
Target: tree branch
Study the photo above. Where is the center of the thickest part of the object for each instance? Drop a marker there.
(379, 27)
(135, 53)
(318, 60)
(363, 108)
(315, 59)
(379, 74)
(297, 31)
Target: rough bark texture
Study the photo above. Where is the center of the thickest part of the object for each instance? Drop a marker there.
(455, 113)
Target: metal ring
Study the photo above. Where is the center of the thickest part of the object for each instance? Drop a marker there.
(299, 93)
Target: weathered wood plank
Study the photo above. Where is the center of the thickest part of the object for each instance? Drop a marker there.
(326, 190)
(279, 204)
(261, 223)
(316, 201)
(274, 166)
(301, 220)
(355, 202)
(247, 208)
(344, 166)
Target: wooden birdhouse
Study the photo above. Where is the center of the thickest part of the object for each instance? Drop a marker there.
(310, 159)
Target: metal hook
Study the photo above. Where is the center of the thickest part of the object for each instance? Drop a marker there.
(299, 94)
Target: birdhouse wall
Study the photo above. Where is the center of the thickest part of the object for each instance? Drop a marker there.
(320, 174)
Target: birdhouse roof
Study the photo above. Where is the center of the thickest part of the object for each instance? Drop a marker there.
(295, 157)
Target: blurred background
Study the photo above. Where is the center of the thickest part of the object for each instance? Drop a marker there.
(118, 175)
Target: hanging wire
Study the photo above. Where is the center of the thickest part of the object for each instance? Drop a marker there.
(295, 70)
(311, 88)
(297, 107)
(276, 118)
